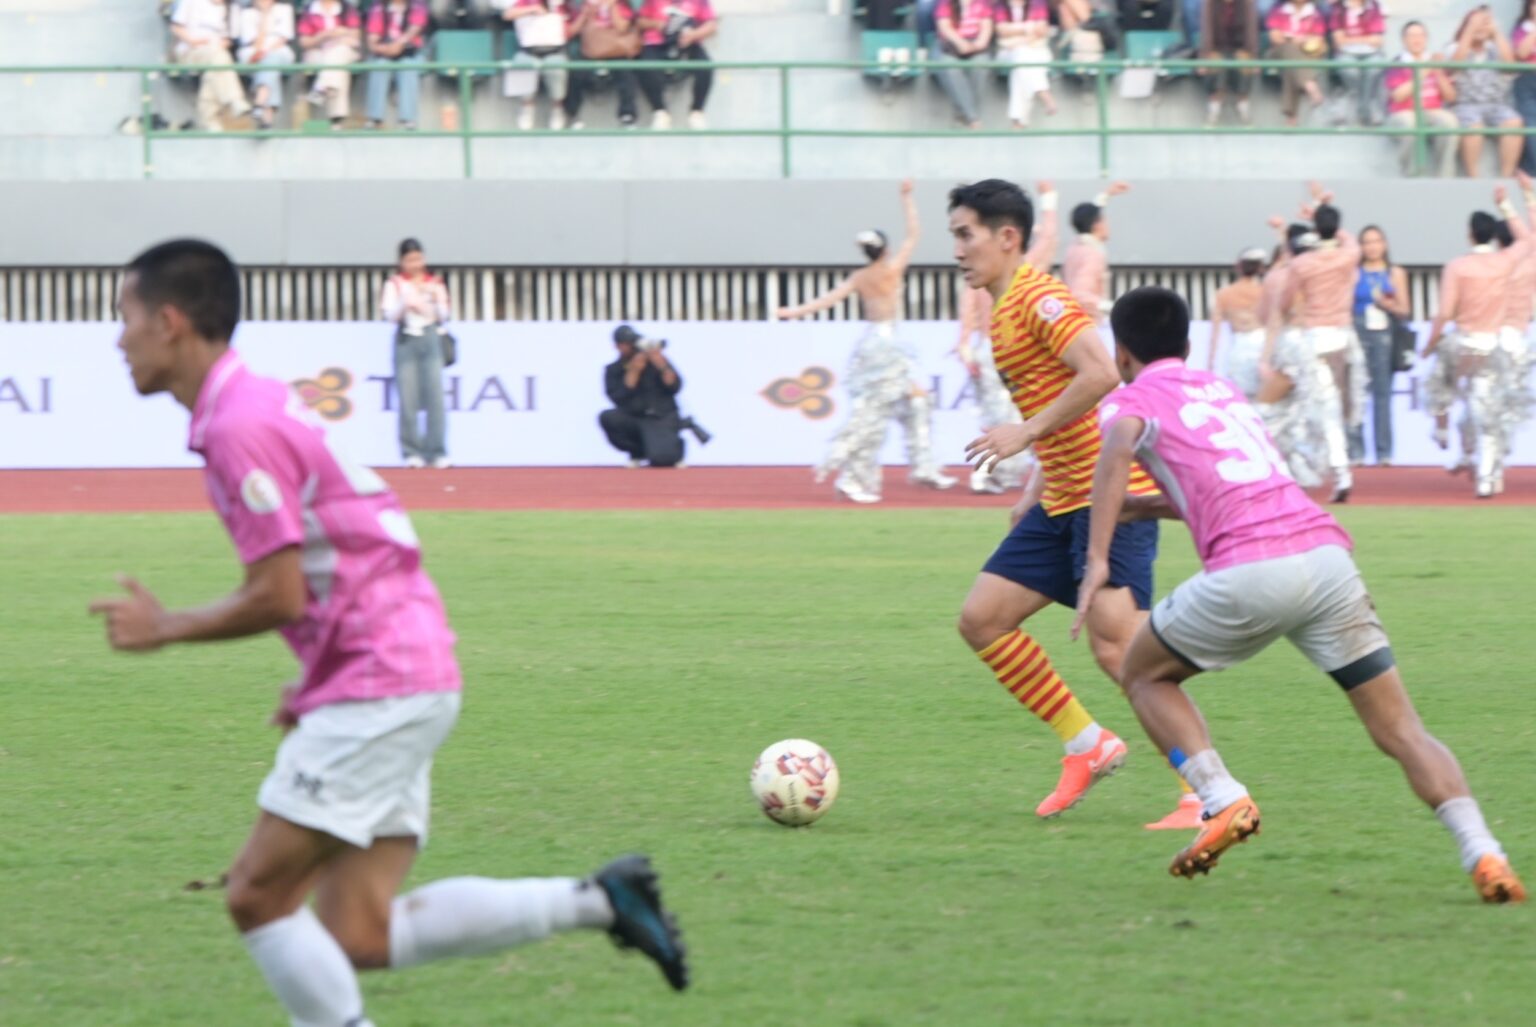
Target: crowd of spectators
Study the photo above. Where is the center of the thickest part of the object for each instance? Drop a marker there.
(543, 35)
(540, 37)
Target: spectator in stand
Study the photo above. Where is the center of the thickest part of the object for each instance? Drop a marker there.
(1193, 21)
(1483, 94)
(1023, 37)
(544, 30)
(675, 30)
(1358, 28)
(1523, 41)
(202, 31)
(397, 34)
(608, 32)
(1381, 294)
(417, 302)
(1297, 32)
(330, 32)
(965, 31)
(266, 41)
(1230, 32)
(1436, 91)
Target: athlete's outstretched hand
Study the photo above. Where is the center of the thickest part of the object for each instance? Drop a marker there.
(133, 621)
(1095, 577)
(998, 443)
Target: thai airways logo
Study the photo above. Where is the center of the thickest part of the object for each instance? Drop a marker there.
(807, 393)
(326, 393)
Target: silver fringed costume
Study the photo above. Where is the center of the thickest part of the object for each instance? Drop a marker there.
(882, 386)
(1473, 369)
(1296, 420)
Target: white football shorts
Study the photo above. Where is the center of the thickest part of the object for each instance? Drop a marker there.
(1316, 599)
(362, 770)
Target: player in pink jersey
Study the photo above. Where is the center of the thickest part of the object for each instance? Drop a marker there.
(332, 562)
(1275, 565)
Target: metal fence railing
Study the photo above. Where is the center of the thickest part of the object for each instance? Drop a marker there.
(1096, 74)
(574, 293)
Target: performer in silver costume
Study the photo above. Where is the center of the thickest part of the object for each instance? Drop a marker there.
(882, 374)
(1290, 397)
(1470, 365)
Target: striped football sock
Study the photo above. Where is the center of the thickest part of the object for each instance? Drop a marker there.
(1022, 667)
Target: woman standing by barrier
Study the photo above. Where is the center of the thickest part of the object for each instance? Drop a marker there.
(417, 301)
(1381, 294)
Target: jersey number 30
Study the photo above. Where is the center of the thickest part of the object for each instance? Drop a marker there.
(1241, 434)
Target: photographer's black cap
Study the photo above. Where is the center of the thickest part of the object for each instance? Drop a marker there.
(624, 333)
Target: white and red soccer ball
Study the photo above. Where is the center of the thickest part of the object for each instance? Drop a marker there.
(795, 782)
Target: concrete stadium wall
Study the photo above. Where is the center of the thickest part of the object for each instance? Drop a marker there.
(660, 224)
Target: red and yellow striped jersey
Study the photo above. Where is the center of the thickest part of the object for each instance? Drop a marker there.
(1032, 326)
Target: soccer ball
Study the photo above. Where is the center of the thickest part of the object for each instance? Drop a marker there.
(795, 782)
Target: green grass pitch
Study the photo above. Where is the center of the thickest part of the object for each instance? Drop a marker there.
(623, 671)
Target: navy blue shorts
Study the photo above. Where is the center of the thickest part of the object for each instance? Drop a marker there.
(1048, 554)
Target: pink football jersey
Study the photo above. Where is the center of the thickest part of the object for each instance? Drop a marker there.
(374, 625)
(1209, 452)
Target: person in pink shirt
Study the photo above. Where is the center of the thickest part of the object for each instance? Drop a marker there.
(676, 30)
(1085, 269)
(1274, 566)
(332, 562)
(1297, 32)
(965, 30)
(1474, 292)
(331, 32)
(1436, 93)
(1357, 28)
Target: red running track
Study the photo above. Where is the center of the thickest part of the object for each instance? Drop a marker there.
(607, 488)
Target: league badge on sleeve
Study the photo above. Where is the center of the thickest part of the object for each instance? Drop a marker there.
(260, 493)
(1051, 309)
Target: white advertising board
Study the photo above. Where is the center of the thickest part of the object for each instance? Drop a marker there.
(522, 394)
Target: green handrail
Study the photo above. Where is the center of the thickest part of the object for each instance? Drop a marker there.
(1102, 70)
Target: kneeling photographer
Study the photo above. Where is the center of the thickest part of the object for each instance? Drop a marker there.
(643, 386)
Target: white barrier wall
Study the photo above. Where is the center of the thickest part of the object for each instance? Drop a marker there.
(523, 393)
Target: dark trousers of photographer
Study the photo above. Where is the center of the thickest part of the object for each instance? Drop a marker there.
(656, 439)
(652, 82)
(419, 386)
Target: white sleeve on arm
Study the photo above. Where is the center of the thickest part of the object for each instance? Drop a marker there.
(392, 303)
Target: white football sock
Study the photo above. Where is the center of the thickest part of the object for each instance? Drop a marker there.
(1084, 740)
(1208, 776)
(469, 916)
(307, 971)
(1465, 821)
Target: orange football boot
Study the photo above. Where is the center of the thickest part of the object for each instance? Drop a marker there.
(1221, 831)
(1079, 773)
(1496, 882)
(1185, 818)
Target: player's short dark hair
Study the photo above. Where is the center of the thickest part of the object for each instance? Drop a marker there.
(196, 278)
(996, 203)
(1327, 220)
(1152, 323)
(1293, 234)
(1085, 216)
(1250, 268)
(1503, 234)
(1484, 226)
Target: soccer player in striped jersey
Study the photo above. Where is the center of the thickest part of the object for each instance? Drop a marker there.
(1057, 369)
